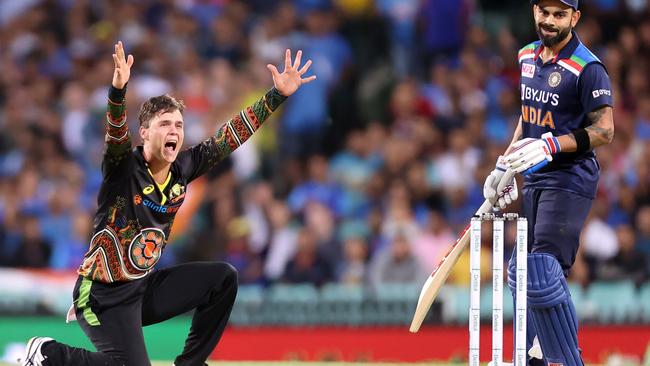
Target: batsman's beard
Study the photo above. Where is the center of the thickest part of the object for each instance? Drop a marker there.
(550, 41)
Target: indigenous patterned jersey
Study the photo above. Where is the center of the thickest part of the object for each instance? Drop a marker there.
(135, 214)
(556, 97)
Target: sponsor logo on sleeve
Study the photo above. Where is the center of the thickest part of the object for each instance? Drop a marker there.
(601, 92)
(527, 70)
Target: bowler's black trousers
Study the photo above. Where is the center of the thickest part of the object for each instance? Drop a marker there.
(118, 311)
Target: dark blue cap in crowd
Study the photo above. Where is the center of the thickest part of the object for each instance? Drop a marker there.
(571, 3)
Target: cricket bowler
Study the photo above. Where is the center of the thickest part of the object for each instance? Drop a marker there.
(118, 291)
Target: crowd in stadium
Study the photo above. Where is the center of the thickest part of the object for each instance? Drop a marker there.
(366, 175)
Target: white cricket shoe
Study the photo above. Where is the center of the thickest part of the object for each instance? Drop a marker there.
(33, 355)
(535, 350)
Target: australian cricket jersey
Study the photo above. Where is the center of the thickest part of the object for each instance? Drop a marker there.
(135, 213)
(556, 97)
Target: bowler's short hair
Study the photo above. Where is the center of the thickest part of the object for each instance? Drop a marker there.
(157, 105)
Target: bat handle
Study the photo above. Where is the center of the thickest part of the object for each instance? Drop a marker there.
(486, 207)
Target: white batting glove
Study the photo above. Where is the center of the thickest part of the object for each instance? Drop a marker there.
(500, 186)
(530, 155)
(492, 180)
(508, 190)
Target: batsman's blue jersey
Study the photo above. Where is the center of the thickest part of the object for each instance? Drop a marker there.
(556, 97)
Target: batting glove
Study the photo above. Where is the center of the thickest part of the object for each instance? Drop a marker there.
(500, 187)
(530, 155)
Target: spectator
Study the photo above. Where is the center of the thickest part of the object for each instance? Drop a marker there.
(353, 268)
(628, 264)
(642, 244)
(444, 24)
(318, 188)
(303, 128)
(308, 266)
(395, 264)
(402, 17)
(599, 239)
(283, 242)
(33, 251)
(434, 242)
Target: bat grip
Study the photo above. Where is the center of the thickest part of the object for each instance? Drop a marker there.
(486, 207)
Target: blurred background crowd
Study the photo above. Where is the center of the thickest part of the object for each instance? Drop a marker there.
(366, 175)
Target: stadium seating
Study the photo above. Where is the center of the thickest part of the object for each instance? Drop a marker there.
(613, 302)
(249, 305)
(341, 304)
(292, 304)
(393, 303)
(644, 302)
(356, 305)
(579, 301)
(455, 304)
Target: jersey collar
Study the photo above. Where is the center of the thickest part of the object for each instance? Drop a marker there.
(565, 52)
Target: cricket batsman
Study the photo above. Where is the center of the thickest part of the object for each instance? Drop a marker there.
(118, 291)
(566, 112)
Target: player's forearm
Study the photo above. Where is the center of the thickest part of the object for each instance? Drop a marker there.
(116, 127)
(243, 125)
(601, 131)
(568, 143)
(515, 137)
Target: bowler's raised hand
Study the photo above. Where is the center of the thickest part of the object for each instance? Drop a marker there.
(291, 78)
(122, 66)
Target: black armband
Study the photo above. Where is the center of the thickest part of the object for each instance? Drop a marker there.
(582, 140)
(117, 95)
(273, 99)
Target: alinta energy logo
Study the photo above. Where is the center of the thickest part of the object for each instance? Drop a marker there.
(159, 208)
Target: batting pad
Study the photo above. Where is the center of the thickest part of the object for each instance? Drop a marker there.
(552, 311)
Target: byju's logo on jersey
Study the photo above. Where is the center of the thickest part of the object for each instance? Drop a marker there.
(600, 92)
(540, 96)
(528, 70)
(554, 79)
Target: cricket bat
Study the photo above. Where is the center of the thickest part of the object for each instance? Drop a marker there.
(434, 283)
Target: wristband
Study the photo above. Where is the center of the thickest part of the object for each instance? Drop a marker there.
(582, 140)
(117, 95)
(552, 143)
(273, 99)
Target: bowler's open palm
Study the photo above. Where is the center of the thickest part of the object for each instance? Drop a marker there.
(122, 66)
(291, 78)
